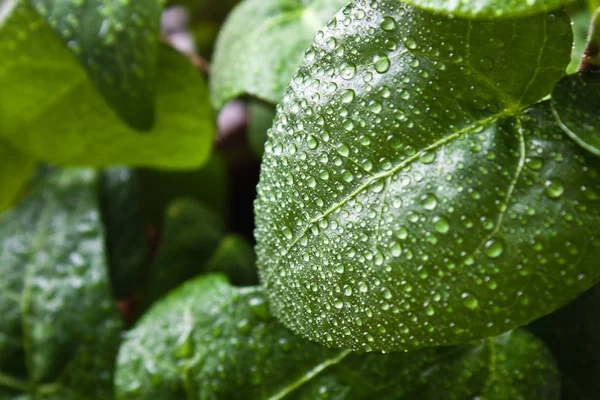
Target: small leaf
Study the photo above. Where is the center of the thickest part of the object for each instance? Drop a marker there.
(15, 169)
(117, 43)
(126, 240)
(207, 339)
(406, 200)
(576, 107)
(260, 119)
(489, 8)
(190, 236)
(235, 259)
(573, 335)
(260, 60)
(59, 329)
(50, 111)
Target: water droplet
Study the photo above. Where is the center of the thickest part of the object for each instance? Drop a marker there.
(430, 202)
(494, 248)
(388, 24)
(469, 301)
(554, 188)
(441, 224)
(382, 63)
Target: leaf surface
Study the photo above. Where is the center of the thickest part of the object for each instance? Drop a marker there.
(207, 339)
(489, 8)
(50, 111)
(15, 169)
(260, 45)
(59, 329)
(576, 107)
(406, 200)
(117, 43)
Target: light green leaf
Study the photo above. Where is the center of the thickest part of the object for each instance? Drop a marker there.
(59, 329)
(190, 236)
(117, 43)
(489, 8)
(576, 107)
(207, 340)
(581, 24)
(127, 243)
(15, 169)
(406, 200)
(235, 259)
(260, 45)
(50, 111)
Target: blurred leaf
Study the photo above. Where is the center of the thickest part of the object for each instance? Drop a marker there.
(260, 45)
(126, 239)
(51, 112)
(59, 329)
(15, 169)
(260, 119)
(207, 185)
(190, 237)
(576, 107)
(581, 24)
(489, 8)
(117, 43)
(207, 339)
(235, 259)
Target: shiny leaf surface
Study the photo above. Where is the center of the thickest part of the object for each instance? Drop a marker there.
(489, 8)
(406, 200)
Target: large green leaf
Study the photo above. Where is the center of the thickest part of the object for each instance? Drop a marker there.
(117, 43)
(208, 339)
(576, 107)
(190, 236)
(260, 45)
(406, 200)
(59, 329)
(15, 169)
(489, 8)
(127, 243)
(50, 110)
(573, 335)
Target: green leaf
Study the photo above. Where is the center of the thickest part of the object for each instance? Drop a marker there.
(126, 240)
(208, 339)
(406, 200)
(190, 236)
(573, 335)
(161, 187)
(15, 169)
(576, 107)
(260, 119)
(50, 110)
(489, 8)
(59, 329)
(260, 45)
(117, 43)
(235, 259)
(581, 24)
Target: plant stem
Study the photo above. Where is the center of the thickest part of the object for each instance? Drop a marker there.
(590, 61)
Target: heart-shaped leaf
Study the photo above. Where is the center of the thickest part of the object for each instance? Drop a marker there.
(59, 329)
(576, 106)
(50, 111)
(117, 43)
(406, 200)
(208, 339)
(489, 8)
(260, 61)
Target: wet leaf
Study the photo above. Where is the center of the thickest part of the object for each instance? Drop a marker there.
(126, 240)
(15, 169)
(576, 107)
(59, 329)
(208, 339)
(260, 45)
(489, 8)
(117, 44)
(189, 238)
(50, 111)
(406, 200)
